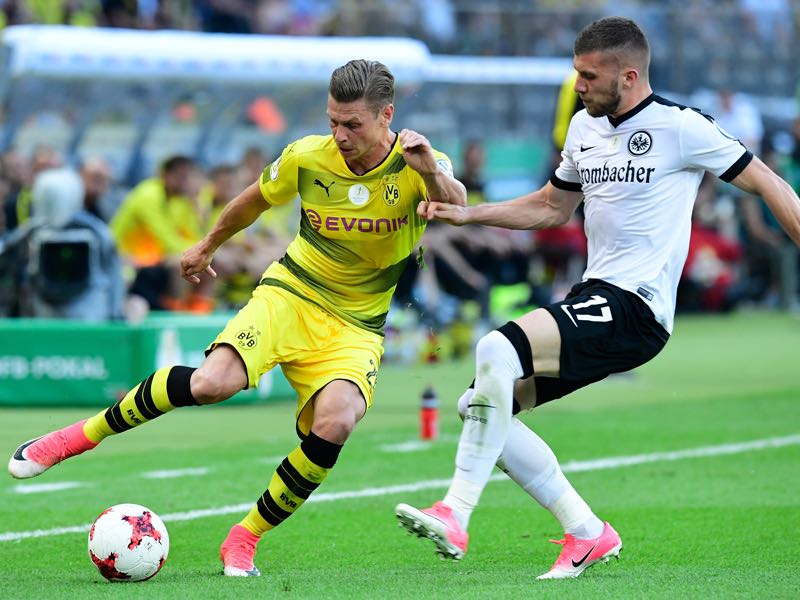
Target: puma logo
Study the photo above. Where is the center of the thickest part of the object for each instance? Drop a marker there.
(327, 188)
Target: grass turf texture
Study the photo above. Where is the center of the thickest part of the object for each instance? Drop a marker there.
(714, 527)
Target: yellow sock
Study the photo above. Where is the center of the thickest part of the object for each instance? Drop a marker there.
(164, 390)
(296, 477)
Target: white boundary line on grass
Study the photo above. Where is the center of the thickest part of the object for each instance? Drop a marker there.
(574, 466)
(173, 473)
(37, 488)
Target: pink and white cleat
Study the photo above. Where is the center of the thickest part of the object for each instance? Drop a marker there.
(438, 524)
(238, 551)
(35, 456)
(579, 555)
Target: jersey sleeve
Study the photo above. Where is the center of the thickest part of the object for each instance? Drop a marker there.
(705, 145)
(278, 181)
(566, 176)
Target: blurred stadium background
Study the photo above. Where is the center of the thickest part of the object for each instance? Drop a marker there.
(117, 89)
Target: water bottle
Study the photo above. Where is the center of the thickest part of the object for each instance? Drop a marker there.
(429, 415)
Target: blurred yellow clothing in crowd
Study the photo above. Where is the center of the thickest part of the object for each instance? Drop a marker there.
(567, 105)
(150, 227)
(79, 13)
(280, 221)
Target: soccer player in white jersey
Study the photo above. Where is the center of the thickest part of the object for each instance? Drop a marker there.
(636, 161)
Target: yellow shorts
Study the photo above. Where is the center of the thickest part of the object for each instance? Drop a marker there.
(312, 346)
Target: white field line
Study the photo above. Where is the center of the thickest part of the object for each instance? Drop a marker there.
(171, 474)
(409, 446)
(417, 445)
(569, 467)
(38, 488)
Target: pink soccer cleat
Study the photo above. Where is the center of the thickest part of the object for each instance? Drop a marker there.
(35, 456)
(579, 555)
(438, 524)
(238, 551)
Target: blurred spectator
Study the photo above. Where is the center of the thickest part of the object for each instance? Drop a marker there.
(273, 17)
(561, 251)
(793, 163)
(121, 13)
(13, 12)
(710, 280)
(739, 116)
(69, 12)
(770, 257)
(13, 170)
(97, 176)
(474, 159)
(43, 157)
(770, 20)
(252, 164)
(465, 262)
(225, 16)
(239, 263)
(438, 23)
(155, 223)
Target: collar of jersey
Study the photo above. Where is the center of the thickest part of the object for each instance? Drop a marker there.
(395, 145)
(617, 121)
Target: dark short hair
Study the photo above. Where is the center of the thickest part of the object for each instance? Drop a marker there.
(616, 35)
(173, 163)
(367, 79)
(223, 169)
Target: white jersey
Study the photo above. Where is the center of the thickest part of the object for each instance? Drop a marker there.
(639, 174)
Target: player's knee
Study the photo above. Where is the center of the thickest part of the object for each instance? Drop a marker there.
(210, 388)
(337, 409)
(502, 348)
(492, 347)
(335, 427)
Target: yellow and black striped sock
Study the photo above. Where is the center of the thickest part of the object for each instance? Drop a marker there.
(296, 477)
(164, 390)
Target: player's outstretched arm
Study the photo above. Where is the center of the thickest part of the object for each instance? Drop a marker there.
(546, 207)
(757, 178)
(441, 186)
(237, 214)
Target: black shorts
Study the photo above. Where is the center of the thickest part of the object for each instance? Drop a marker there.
(604, 330)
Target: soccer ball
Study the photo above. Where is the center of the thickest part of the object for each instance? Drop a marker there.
(128, 542)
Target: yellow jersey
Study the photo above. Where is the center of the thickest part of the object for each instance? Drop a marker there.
(356, 231)
(149, 227)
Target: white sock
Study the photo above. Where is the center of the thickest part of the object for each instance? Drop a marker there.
(530, 462)
(486, 422)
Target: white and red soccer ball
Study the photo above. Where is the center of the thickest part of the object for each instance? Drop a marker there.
(128, 542)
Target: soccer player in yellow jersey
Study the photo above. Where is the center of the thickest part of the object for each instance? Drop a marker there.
(318, 312)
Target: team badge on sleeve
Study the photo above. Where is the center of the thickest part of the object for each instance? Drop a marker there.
(640, 143)
(247, 339)
(445, 166)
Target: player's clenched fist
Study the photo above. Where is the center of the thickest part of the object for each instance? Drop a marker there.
(417, 151)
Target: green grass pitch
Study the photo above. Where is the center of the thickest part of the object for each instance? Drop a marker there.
(722, 525)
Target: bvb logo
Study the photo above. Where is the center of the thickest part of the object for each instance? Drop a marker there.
(372, 374)
(391, 194)
(247, 339)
